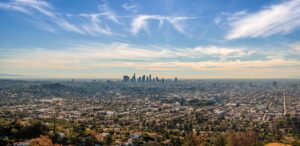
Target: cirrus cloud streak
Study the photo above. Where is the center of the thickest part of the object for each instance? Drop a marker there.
(281, 18)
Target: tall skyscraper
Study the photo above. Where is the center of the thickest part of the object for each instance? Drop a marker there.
(133, 78)
(150, 78)
(157, 79)
(126, 78)
(143, 78)
(175, 79)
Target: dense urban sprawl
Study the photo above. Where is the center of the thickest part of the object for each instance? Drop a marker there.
(118, 112)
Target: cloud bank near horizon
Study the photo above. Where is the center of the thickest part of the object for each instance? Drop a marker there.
(205, 59)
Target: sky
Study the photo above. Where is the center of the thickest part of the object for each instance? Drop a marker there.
(203, 39)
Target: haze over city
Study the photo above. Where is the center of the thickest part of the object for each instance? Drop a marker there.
(187, 39)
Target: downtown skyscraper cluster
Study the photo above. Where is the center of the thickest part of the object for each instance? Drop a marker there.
(145, 78)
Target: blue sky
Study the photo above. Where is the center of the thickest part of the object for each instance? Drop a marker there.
(187, 39)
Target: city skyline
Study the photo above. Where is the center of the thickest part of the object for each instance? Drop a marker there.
(147, 78)
(185, 39)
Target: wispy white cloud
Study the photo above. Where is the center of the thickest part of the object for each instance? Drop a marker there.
(55, 20)
(276, 19)
(94, 27)
(221, 52)
(14, 7)
(96, 24)
(109, 13)
(67, 26)
(39, 5)
(105, 21)
(130, 7)
(140, 22)
(178, 24)
(34, 7)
